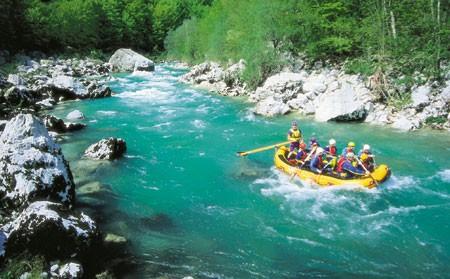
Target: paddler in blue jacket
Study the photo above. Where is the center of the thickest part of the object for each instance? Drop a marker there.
(316, 164)
(347, 166)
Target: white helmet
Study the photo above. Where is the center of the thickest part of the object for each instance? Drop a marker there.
(319, 150)
(350, 155)
(366, 147)
(332, 142)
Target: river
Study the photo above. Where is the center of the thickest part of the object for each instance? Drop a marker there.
(189, 206)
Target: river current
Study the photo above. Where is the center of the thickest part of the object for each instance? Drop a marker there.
(189, 206)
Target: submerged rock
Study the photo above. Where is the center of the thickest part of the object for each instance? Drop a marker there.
(158, 222)
(106, 149)
(127, 60)
(32, 165)
(75, 114)
(50, 229)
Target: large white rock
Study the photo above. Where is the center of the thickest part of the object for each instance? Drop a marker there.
(445, 94)
(127, 60)
(32, 165)
(271, 107)
(69, 83)
(282, 86)
(344, 104)
(404, 123)
(420, 95)
(71, 271)
(51, 229)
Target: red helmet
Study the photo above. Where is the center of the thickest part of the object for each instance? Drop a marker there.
(302, 145)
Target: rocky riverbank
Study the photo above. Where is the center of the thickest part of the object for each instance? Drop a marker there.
(329, 94)
(39, 217)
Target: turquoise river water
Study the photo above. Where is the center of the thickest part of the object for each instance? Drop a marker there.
(189, 206)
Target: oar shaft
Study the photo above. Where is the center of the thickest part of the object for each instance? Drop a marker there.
(364, 168)
(245, 153)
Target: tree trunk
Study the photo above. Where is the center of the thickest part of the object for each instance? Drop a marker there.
(394, 31)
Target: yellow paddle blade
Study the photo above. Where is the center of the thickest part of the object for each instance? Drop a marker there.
(245, 153)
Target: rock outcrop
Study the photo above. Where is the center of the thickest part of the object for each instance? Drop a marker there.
(211, 76)
(40, 85)
(127, 60)
(32, 165)
(106, 149)
(329, 94)
(50, 229)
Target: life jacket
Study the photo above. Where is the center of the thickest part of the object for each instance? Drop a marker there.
(332, 150)
(303, 155)
(294, 135)
(340, 163)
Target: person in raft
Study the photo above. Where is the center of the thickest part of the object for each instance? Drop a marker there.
(302, 154)
(316, 164)
(350, 148)
(347, 168)
(366, 157)
(331, 153)
(313, 143)
(295, 137)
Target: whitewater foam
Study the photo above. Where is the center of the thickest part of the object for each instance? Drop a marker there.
(444, 175)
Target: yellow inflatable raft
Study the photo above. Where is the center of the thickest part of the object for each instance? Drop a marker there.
(380, 174)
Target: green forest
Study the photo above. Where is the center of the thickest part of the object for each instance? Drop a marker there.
(384, 36)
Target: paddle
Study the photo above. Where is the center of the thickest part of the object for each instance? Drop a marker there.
(370, 174)
(245, 153)
(304, 162)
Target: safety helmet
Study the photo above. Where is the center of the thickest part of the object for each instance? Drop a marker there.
(332, 142)
(350, 155)
(294, 123)
(351, 144)
(366, 147)
(302, 145)
(319, 150)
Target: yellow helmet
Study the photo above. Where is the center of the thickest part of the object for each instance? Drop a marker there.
(351, 144)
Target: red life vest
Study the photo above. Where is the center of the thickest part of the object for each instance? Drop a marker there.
(332, 150)
(339, 164)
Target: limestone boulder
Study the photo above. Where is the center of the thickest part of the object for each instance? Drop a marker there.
(127, 60)
(32, 165)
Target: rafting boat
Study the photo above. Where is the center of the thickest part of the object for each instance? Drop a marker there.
(380, 174)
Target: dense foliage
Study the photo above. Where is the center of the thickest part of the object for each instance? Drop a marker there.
(373, 35)
(87, 24)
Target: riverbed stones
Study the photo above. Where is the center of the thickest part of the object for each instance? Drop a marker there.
(270, 107)
(127, 60)
(32, 165)
(106, 149)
